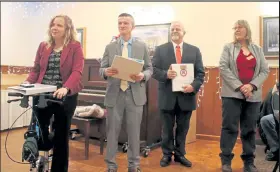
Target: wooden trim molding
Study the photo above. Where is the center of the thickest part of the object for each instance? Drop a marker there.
(6, 69)
(208, 113)
(212, 137)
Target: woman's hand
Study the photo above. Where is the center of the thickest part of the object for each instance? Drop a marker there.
(60, 93)
(25, 82)
(247, 90)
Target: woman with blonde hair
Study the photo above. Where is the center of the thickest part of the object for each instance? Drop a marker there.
(59, 61)
(243, 70)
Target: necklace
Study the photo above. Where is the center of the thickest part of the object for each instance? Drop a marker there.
(58, 49)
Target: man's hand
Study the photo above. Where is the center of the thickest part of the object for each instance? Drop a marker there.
(60, 93)
(171, 74)
(139, 77)
(188, 89)
(110, 71)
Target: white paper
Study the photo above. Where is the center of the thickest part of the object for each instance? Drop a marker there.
(185, 76)
(126, 67)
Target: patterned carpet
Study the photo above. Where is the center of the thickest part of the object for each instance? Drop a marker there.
(261, 163)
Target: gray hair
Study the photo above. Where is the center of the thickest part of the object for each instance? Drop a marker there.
(246, 25)
(180, 23)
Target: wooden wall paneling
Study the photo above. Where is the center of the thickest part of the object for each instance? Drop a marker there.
(209, 111)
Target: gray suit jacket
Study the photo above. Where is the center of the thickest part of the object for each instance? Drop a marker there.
(163, 58)
(229, 73)
(139, 51)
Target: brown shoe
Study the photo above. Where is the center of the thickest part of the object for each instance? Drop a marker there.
(134, 169)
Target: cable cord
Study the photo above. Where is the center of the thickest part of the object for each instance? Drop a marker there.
(8, 135)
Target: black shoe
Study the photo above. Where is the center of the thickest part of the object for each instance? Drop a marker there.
(272, 156)
(250, 168)
(184, 161)
(165, 161)
(226, 168)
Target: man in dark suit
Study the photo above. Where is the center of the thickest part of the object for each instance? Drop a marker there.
(176, 105)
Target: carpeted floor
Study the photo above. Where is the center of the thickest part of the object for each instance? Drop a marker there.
(261, 163)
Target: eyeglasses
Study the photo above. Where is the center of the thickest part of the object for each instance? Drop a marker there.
(238, 27)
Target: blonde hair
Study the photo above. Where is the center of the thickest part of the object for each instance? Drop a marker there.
(70, 31)
(246, 25)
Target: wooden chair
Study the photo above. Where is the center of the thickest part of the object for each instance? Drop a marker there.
(87, 123)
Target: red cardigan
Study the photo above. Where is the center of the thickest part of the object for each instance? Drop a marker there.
(71, 65)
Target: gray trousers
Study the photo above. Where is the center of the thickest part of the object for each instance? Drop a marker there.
(269, 129)
(233, 112)
(132, 118)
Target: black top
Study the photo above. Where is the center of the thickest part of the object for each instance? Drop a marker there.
(52, 75)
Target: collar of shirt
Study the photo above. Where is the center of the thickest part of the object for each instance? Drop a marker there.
(129, 46)
(181, 47)
(129, 41)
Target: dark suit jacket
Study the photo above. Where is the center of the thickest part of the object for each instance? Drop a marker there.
(266, 107)
(71, 65)
(164, 56)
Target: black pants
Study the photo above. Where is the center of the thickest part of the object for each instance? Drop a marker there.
(61, 126)
(168, 118)
(233, 112)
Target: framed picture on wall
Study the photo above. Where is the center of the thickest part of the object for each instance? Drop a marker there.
(269, 36)
(152, 35)
(81, 35)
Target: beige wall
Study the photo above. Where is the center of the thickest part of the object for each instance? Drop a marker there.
(208, 25)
